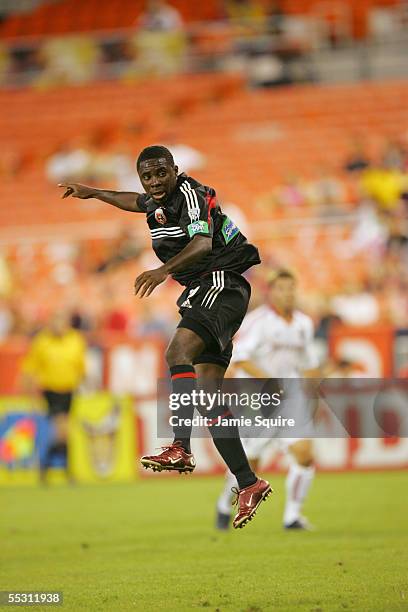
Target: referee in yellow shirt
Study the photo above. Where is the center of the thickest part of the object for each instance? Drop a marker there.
(54, 367)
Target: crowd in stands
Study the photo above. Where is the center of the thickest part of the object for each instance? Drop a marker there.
(371, 195)
(95, 159)
(255, 37)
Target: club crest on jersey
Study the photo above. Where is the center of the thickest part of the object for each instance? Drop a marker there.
(160, 216)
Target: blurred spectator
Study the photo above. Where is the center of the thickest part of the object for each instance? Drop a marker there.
(394, 156)
(15, 162)
(67, 164)
(54, 368)
(90, 160)
(5, 63)
(160, 42)
(265, 69)
(27, 59)
(356, 306)
(368, 233)
(115, 320)
(71, 59)
(152, 322)
(123, 167)
(384, 185)
(187, 158)
(80, 321)
(326, 193)
(357, 159)
(275, 17)
(6, 320)
(160, 17)
(244, 12)
(6, 280)
(114, 51)
(397, 225)
(292, 192)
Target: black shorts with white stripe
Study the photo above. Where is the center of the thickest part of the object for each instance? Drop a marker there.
(213, 306)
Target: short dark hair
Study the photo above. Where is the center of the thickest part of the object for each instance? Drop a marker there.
(154, 152)
(281, 273)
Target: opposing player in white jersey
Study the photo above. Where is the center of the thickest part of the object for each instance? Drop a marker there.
(275, 341)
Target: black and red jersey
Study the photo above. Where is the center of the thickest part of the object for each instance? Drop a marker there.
(193, 210)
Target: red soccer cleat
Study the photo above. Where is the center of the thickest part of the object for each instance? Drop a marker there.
(173, 458)
(248, 500)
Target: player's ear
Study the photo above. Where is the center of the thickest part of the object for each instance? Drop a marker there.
(176, 170)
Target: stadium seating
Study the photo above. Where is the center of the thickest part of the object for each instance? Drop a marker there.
(79, 16)
(268, 133)
(272, 132)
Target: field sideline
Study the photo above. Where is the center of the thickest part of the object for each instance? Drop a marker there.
(151, 546)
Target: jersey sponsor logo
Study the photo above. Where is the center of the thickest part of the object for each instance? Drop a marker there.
(160, 216)
(229, 230)
(186, 303)
(198, 227)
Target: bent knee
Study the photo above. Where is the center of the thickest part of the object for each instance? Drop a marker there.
(177, 353)
(183, 348)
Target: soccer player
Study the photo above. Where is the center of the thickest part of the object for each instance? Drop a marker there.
(275, 342)
(203, 250)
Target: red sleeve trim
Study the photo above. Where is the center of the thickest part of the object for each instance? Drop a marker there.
(211, 203)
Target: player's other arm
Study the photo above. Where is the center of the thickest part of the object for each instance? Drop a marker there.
(125, 200)
(193, 252)
(199, 228)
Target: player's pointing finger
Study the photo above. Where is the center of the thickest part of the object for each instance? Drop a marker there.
(149, 285)
(140, 280)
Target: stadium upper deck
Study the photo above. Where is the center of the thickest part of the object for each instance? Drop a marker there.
(77, 16)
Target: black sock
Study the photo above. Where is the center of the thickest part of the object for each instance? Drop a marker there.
(228, 443)
(183, 380)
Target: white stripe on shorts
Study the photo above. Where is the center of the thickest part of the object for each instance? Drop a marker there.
(215, 290)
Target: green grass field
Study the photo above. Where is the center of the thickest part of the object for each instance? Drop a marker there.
(151, 546)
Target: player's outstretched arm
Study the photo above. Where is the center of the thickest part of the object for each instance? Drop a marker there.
(125, 200)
